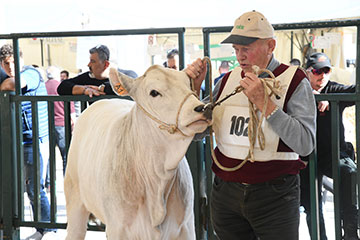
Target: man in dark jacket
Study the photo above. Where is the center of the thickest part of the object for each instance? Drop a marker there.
(96, 81)
(318, 68)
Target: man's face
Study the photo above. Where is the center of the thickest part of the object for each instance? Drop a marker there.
(319, 78)
(8, 65)
(257, 53)
(96, 66)
(63, 76)
(173, 62)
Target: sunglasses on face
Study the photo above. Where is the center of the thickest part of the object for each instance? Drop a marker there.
(320, 71)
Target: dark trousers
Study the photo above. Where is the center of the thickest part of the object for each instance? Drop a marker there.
(347, 204)
(264, 211)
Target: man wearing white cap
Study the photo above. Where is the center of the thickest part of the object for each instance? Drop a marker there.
(261, 199)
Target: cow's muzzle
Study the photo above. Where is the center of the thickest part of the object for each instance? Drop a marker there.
(206, 109)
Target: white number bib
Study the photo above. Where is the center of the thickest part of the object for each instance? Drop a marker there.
(234, 130)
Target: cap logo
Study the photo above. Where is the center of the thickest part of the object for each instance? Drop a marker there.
(322, 59)
(240, 26)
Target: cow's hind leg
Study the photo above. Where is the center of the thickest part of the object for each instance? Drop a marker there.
(77, 215)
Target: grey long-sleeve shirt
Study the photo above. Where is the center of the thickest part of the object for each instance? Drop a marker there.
(297, 127)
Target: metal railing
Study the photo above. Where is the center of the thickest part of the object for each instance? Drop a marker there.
(12, 177)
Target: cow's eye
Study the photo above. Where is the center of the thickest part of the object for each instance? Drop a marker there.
(154, 93)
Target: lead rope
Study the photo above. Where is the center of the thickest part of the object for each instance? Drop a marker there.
(254, 127)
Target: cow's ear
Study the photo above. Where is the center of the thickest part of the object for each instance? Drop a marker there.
(120, 83)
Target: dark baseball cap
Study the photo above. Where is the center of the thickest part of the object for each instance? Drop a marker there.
(318, 60)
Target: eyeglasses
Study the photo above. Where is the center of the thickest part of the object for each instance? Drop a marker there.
(320, 71)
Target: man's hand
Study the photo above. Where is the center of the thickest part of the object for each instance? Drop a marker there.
(323, 105)
(92, 90)
(197, 72)
(254, 90)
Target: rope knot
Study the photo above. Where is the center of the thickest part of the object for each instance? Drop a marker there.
(170, 128)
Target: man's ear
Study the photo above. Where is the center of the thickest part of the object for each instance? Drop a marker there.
(271, 45)
(107, 64)
(120, 83)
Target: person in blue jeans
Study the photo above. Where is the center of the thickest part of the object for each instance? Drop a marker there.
(32, 84)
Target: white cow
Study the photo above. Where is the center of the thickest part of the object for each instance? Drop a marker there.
(126, 161)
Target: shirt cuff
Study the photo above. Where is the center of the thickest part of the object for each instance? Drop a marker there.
(273, 112)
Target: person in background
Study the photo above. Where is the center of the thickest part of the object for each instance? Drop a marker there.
(64, 74)
(295, 62)
(261, 199)
(223, 69)
(318, 68)
(172, 59)
(32, 84)
(95, 82)
(52, 84)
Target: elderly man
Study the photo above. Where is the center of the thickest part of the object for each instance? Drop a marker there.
(318, 68)
(96, 81)
(261, 199)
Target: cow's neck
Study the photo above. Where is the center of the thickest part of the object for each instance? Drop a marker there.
(168, 148)
(163, 152)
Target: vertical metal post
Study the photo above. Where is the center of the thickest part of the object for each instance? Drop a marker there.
(52, 161)
(42, 51)
(357, 117)
(314, 198)
(195, 156)
(17, 65)
(18, 129)
(19, 136)
(7, 143)
(208, 177)
(335, 143)
(322, 34)
(357, 114)
(181, 42)
(48, 55)
(36, 160)
(206, 53)
(291, 45)
(357, 65)
(68, 127)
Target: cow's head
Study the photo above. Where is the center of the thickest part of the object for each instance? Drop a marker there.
(165, 94)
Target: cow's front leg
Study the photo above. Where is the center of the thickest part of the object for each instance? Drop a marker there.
(77, 215)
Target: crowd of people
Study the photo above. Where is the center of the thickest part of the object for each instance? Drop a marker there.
(254, 196)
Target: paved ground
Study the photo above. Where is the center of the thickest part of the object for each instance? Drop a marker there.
(91, 235)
